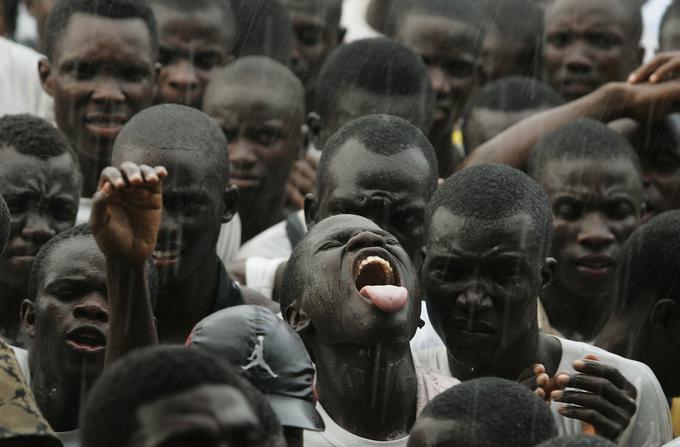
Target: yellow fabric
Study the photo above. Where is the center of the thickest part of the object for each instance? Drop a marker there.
(457, 137)
(675, 416)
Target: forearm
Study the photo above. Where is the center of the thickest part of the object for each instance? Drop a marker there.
(514, 145)
(131, 320)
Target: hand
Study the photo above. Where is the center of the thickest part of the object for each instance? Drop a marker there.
(663, 67)
(600, 396)
(126, 211)
(537, 380)
(644, 102)
(301, 181)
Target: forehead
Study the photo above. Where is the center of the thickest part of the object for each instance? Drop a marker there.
(431, 33)
(74, 257)
(591, 176)
(354, 167)
(17, 168)
(310, 10)
(452, 232)
(105, 40)
(587, 13)
(204, 25)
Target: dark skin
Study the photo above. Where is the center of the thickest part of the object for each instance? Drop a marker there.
(192, 45)
(67, 327)
(195, 205)
(484, 124)
(357, 347)
(506, 57)
(587, 44)
(101, 73)
(481, 281)
(447, 47)
(597, 205)
(265, 138)
(42, 196)
(669, 37)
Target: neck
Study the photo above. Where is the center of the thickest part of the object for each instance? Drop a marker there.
(259, 214)
(183, 303)
(59, 398)
(10, 306)
(91, 169)
(382, 377)
(512, 360)
(578, 318)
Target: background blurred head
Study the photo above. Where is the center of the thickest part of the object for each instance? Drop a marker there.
(9, 11)
(501, 104)
(4, 224)
(484, 412)
(669, 29)
(263, 28)
(577, 441)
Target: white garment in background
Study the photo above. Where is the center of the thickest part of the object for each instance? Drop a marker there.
(649, 427)
(20, 88)
(674, 443)
(271, 243)
(652, 12)
(70, 438)
(430, 384)
(354, 20)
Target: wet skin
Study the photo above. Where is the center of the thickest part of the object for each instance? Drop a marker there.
(68, 327)
(485, 124)
(587, 44)
(481, 280)
(596, 206)
(209, 416)
(42, 196)
(102, 72)
(391, 191)
(505, 57)
(192, 45)
(263, 127)
(669, 38)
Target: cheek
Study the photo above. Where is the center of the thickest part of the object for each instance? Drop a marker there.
(563, 233)
(138, 94)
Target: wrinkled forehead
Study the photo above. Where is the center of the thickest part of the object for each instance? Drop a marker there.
(342, 224)
(600, 12)
(321, 9)
(77, 256)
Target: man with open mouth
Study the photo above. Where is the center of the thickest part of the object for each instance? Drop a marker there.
(353, 295)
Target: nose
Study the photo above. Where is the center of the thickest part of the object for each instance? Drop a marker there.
(242, 154)
(108, 91)
(182, 77)
(364, 240)
(577, 60)
(37, 229)
(93, 308)
(474, 300)
(440, 83)
(595, 234)
(171, 227)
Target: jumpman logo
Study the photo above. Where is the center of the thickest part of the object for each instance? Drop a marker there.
(257, 358)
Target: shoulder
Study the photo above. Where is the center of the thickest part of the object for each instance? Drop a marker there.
(271, 243)
(434, 359)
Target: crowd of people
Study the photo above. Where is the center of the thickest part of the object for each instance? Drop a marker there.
(226, 223)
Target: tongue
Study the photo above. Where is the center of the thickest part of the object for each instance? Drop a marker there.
(386, 298)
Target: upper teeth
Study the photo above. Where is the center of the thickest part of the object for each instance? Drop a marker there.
(387, 268)
(164, 254)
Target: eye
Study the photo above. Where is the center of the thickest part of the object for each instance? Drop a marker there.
(207, 61)
(231, 134)
(459, 68)
(83, 70)
(308, 35)
(133, 74)
(449, 271)
(329, 245)
(391, 241)
(621, 210)
(409, 218)
(559, 40)
(17, 204)
(267, 137)
(63, 210)
(603, 41)
(568, 211)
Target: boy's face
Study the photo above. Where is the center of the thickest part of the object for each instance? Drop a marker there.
(481, 280)
(342, 255)
(669, 39)
(192, 45)
(193, 210)
(101, 74)
(264, 136)
(68, 323)
(587, 44)
(596, 206)
(315, 37)
(448, 48)
(392, 191)
(42, 196)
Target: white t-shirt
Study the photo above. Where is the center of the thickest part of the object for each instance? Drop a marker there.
(227, 244)
(649, 427)
(430, 384)
(20, 88)
(674, 443)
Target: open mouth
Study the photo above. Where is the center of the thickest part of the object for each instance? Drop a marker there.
(86, 340)
(377, 281)
(595, 265)
(166, 255)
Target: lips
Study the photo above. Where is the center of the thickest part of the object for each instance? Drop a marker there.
(575, 87)
(105, 124)
(166, 256)
(595, 266)
(376, 280)
(472, 326)
(86, 340)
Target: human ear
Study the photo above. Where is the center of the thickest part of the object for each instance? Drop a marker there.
(44, 69)
(342, 32)
(296, 318)
(548, 271)
(28, 318)
(664, 315)
(230, 199)
(311, 207)
(314, 124)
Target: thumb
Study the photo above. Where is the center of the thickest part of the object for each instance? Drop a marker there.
(100, 215)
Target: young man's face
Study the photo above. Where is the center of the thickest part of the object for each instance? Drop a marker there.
(316, 36)
(669, 37)
(42, 196)
(193, 211)
(68, 323)
(192, 45)
(209, 416)
(587, 44)
(481, 280)
(392, 191)
(101, 74)
(342, 255)
(596, 206)
(448, 48)
(264, 139)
